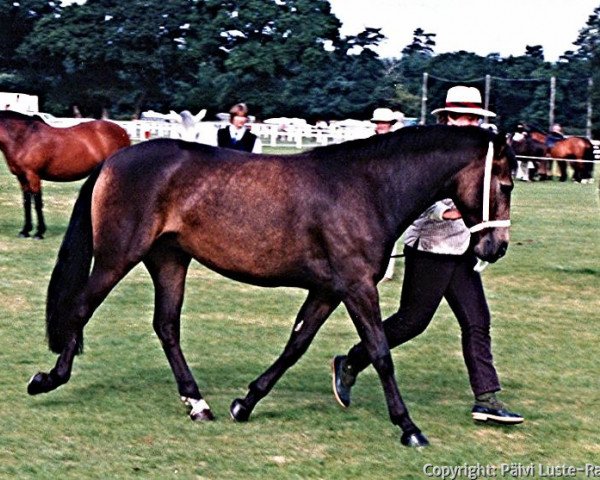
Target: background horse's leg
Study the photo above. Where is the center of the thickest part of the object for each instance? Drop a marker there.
(363, 307)
(168, 268)
(41, 225)
(562, 167)
(313, 313)
(27, 226)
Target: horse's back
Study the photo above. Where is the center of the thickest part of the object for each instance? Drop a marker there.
(104, 135)
(253, 218)
(572, 148)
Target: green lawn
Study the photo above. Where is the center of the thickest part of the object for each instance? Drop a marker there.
(120, 416)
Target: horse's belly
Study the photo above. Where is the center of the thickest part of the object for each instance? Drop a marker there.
(250, 253)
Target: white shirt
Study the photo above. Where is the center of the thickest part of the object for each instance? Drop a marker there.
(437, 235)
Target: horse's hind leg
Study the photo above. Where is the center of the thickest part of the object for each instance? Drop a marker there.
(315, 310)
(562, 166)
(363, 307)
(31, 186)
(168, 268)
(98, 286)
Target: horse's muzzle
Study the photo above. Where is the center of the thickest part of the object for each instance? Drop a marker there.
(490, 248)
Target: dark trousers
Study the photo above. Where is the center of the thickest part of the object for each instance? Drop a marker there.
(427, 279)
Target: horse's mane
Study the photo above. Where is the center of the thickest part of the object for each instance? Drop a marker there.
(413, 138)
(12, 115)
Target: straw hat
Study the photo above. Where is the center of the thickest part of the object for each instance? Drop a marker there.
(464, 100)
(383, 115)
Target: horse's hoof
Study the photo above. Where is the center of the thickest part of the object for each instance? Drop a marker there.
(23, 235)
(38, 236)
(201, 412)
(238, 411)
(414, 440)
(39, 383)
(203, 416)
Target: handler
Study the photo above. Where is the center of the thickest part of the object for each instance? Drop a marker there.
(440, 264)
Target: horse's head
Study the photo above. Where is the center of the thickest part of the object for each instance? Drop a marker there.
(483, 198)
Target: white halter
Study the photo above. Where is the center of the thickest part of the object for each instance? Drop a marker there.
(487, 180)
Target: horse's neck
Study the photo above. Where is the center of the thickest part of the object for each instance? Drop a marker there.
(6, 140)
(539, 137)
(13, 138)
(408, 191)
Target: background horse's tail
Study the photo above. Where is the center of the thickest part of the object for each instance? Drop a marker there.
(71, 271)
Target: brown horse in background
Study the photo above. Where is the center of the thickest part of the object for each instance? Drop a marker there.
(36, 151)
(325, 221)
(569, 148)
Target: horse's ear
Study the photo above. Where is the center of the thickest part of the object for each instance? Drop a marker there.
(502, 149)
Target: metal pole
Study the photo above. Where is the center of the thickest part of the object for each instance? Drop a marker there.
(588, 123)
(488, 82)
(424, 98)
(552, 102)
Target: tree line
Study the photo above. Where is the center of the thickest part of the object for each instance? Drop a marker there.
(282, 57)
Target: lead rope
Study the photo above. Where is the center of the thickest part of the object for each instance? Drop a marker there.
(485, 217)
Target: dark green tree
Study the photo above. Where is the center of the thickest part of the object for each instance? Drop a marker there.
(535, 51)
(202, 54)
(585, 60)
(422, 44)
(109, 54)
(17, 21)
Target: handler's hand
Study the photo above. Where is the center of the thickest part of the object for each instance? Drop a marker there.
(451, 214)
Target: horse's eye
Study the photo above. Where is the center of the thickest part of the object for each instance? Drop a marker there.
(506, 187)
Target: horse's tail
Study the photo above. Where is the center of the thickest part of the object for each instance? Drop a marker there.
(71, 271)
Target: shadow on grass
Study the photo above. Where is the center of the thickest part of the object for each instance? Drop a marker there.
(577, 271)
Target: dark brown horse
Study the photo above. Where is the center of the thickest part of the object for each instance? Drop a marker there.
(532, 153)
(324, 220)
(35, 151)
(571, 149)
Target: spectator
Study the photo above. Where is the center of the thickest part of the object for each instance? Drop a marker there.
(237, 135)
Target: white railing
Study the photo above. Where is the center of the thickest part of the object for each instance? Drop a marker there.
(295, 136)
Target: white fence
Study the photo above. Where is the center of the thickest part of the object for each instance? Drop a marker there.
(295, 136)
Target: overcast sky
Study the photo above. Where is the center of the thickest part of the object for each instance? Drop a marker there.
(480, 26)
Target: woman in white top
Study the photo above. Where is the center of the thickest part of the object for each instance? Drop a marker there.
(439, 264)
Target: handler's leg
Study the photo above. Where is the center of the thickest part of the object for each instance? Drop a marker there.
(466, 297)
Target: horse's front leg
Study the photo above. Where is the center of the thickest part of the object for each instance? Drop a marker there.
(363, 307)
(168, 268)
(27, 225)
(313, 313)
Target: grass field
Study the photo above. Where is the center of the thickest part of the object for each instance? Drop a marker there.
(120, 416)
